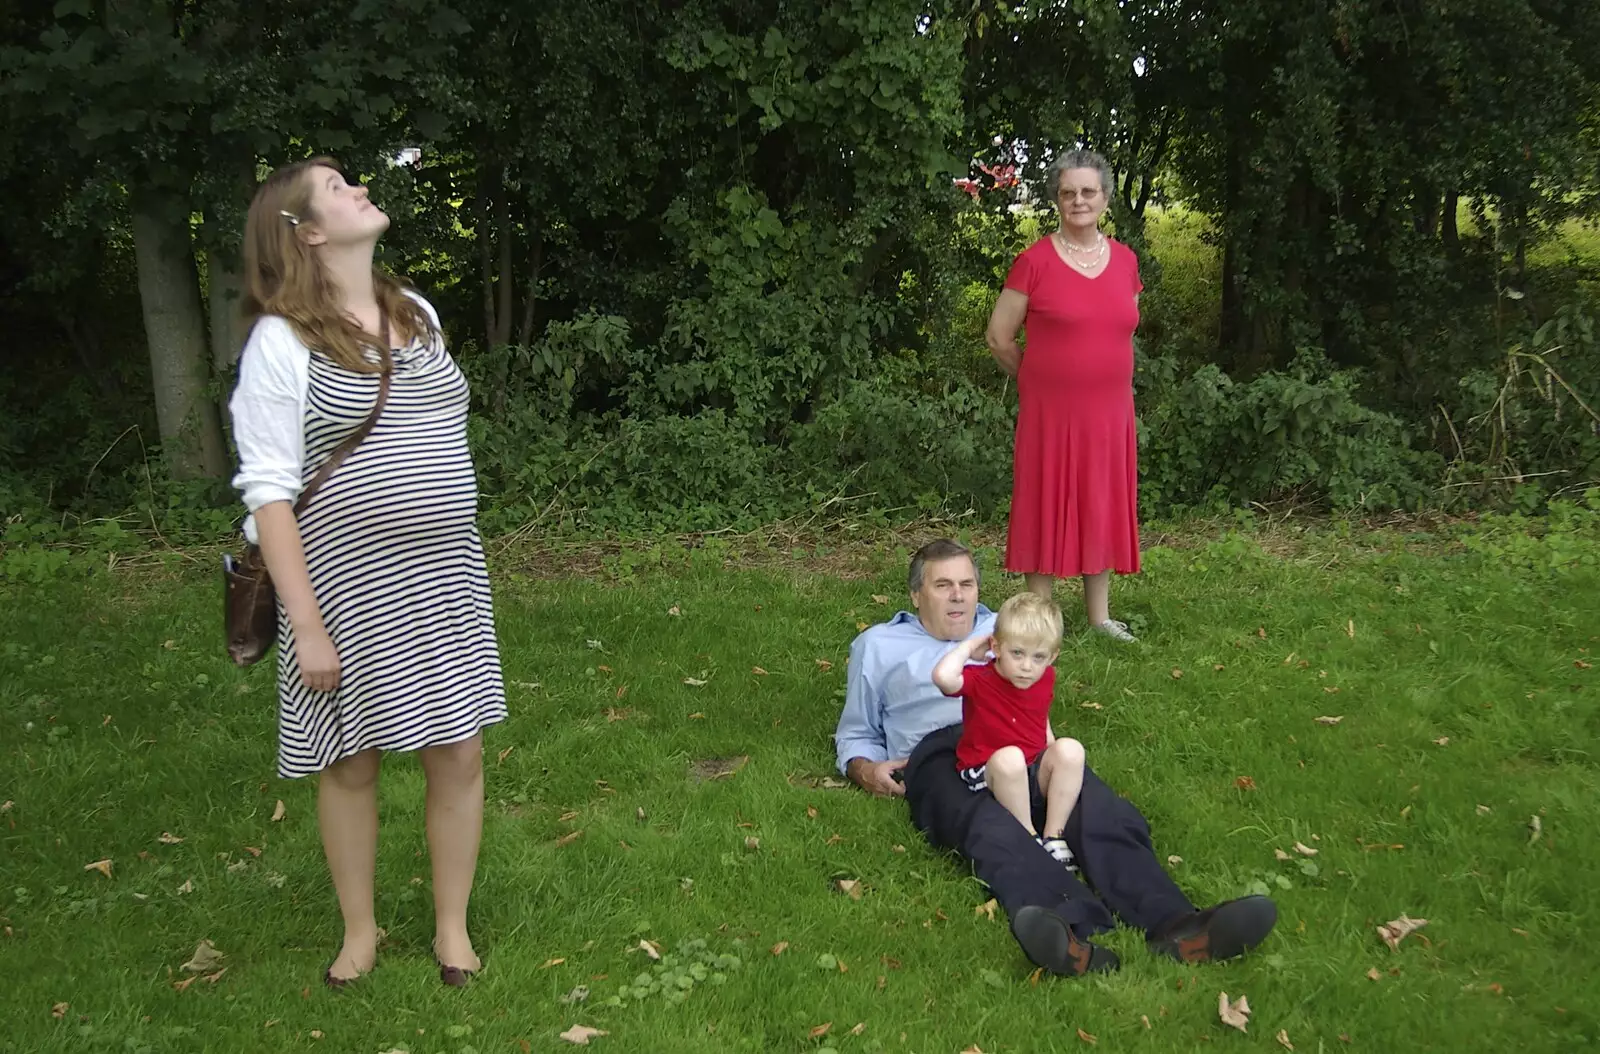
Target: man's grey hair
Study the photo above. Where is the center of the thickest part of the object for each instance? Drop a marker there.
(933, 552)
(1077, 159)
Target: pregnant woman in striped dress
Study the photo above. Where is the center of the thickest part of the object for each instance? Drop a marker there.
(385, 629)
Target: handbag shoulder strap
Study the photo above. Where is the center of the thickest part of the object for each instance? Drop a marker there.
(346, 448)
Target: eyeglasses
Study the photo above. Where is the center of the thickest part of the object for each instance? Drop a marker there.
(1086, 193)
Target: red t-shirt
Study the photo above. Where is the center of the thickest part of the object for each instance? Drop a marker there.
(996, 713)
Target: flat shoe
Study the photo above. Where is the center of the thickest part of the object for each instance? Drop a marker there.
(456, 976)
(1224, 931)
(1048, 941)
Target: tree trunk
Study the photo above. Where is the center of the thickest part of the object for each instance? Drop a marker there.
(224, 288)
(175, 329)
(1449, 230)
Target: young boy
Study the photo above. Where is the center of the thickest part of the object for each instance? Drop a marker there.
(1007, 743)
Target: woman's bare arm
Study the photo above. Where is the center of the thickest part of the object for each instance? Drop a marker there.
(1004, 323)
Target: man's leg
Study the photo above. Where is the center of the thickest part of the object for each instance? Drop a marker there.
(1017, 870)
(1112, 842)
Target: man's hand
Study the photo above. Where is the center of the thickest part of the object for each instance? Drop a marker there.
(877, 778)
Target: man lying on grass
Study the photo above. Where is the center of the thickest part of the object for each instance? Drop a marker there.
(898, 735)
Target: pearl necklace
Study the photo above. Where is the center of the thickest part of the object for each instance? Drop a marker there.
(1073, 250)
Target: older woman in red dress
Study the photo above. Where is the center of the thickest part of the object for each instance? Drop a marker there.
(1074, 497)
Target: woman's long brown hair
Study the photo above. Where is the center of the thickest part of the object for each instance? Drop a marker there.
(284, 276)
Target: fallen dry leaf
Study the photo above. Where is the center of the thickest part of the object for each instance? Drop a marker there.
(834, 839)
(821, 1030)
(862, 626)
(1283, 1034)
(1176, 673)
(206, 958)
(650, 948)
(1330, 720)
(568, 838)
(861, 1026)
(213, 978)
(898, 848)
(1332, 689)
(252, 850)
(1174, 861)
(582, 1034)
(752, 843)
(974, 1049)
(102, 866)
(59, 1011)
(570, 814)
(780, 947)
(1261, 631)
(1374, 975)
(824, 665)
(879, 598)
(278, 813)
(986, 909)
(1483, 810)
(1304, 850)
(1536, 827)
(1091, 706)
(850, 887)
(1580, 664)
(179, 986)
(551, 962)
(758, 671)
(1146, 1019)
(811, 812)
(500, 758)
(674, 610)
(692, 682)
(316, 1033)
(1394, 931)
(168, 838)
(640, 813)
(1442, 741)
(1281, 855)
(187, 887)
(622, 690)
(697, 717)
(1236, 1014)
(1087, 1038)
(1245, 783)
(615, 714)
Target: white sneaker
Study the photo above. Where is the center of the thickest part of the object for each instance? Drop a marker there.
(1116, 631)
(1057, 847)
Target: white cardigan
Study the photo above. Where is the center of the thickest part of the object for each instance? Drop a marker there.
(268, 408)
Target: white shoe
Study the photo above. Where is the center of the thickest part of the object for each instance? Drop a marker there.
(1116, 631)
(1057, 847)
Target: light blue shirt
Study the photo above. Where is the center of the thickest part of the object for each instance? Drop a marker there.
(890, 699)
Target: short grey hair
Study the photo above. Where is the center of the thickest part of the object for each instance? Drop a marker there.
(1077, 159)
(934, 551)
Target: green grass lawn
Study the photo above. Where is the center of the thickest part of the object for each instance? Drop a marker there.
(1459, 668)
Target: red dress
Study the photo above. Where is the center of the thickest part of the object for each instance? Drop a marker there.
(1075, 476)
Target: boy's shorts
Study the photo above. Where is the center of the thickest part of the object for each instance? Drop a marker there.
(977, 780)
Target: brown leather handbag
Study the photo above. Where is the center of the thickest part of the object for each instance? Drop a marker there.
(250, 608)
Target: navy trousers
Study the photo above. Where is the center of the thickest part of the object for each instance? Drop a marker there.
(1107, 835)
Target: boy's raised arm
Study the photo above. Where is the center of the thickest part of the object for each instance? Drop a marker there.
(947, 673)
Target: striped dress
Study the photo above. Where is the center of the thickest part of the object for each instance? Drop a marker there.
(392, 546)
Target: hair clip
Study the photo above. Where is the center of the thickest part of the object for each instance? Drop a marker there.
(294, 221)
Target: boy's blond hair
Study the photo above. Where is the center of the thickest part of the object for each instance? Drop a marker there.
(1028, 618)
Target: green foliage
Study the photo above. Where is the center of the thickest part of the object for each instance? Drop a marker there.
(1532, 425)
(1301, 432)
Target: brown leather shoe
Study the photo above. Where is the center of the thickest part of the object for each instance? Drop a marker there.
(456, 976)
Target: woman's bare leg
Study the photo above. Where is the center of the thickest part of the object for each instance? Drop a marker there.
(347, 812)
(455, 826)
